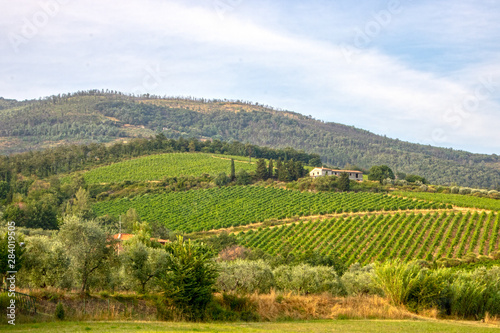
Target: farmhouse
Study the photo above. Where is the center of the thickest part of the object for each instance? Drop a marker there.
(319, 172)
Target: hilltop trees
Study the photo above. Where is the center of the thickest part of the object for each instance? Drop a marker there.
(285, 171)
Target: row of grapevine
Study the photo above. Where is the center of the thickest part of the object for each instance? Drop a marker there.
(157, 167)
(455, 199)
(403, 235)
(206, 209)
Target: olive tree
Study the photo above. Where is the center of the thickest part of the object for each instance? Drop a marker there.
(142, 264)
(88, 246)
(245, 276)
(46, 263)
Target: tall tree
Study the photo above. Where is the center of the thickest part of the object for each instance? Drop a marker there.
(279, 169)
(142, 264)
(270, 173)
(233, 171)
(88, 246)
(189, 278)
(344, 182)
(261, 171)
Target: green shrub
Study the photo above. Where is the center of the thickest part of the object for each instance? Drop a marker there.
(244, 276)
(231, 307)
(306, 279)
(359, 280)
(59, 313)
(409, 284)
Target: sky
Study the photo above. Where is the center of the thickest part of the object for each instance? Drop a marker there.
(421, 71)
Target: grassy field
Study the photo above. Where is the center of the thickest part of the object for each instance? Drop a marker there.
(387, 326)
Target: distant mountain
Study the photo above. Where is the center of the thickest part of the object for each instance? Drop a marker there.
(103, 116)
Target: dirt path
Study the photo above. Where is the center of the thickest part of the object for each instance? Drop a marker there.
(226, 158)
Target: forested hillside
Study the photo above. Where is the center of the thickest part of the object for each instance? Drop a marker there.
(103, 116)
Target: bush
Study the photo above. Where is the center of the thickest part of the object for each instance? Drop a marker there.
(230, 307)
(359, 280)
(59, 313)
(409, 284)
(305, 279)
(244, 276)
(464, 190)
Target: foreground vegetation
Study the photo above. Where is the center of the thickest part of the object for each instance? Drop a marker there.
(182, 276)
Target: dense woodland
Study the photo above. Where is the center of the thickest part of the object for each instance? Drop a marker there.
(103, 116)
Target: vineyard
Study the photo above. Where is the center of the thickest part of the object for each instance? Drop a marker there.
(373, 237)
(206, 209)
(156, 167)
(455, 199)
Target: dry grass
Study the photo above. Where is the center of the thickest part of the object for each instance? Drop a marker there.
(120, 306)
(493, 320)
(275, 306)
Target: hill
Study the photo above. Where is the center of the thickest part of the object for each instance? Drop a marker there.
(97, 116)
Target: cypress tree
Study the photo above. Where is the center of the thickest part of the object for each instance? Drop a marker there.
(233, 171)
(261, 171)
(270, 172)
(284, 173)
(299, 169)
(279, 168)
(344, 182)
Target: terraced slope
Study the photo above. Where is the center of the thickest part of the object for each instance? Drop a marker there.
(207, 209)
(375, 237)
(156, 167)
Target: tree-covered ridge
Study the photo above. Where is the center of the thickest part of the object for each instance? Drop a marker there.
(101, 116)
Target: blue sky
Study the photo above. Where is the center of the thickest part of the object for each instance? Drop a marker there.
(420, 71)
